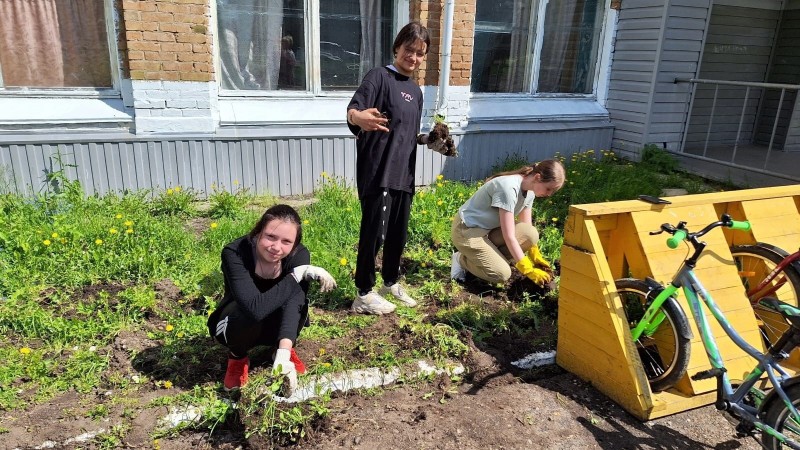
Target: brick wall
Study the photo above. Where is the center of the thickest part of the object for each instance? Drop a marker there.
(168, 40)
(431, 14)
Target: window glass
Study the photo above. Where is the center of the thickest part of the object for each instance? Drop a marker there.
(262, 44)
(54, 44)
(355, 36)
(570, 43)
(501, 50)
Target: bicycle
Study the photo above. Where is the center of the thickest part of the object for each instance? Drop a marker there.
(767, 270)
(663, 328)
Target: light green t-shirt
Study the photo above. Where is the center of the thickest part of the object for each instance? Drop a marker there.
(502, 192)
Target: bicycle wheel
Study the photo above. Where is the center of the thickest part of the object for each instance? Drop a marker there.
(778, 416)
(755, 263)
(665, 354)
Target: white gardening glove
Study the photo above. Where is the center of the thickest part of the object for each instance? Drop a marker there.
(309, 272)
(282, 366)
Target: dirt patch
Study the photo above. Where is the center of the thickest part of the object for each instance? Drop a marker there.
(494, 405)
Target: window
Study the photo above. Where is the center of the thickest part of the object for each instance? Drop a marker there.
(514, 53)
(271, 45)
(54, 44)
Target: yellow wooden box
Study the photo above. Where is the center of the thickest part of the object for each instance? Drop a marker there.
(606, 241)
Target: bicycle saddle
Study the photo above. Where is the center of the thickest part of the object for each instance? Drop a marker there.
(789, 312)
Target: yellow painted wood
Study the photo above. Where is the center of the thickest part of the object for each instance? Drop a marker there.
(605, 241)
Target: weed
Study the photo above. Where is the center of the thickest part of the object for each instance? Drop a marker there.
(227, 204)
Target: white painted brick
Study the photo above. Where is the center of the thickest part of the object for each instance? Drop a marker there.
(145, 85)
(171, 112)
(181, 104)
(205, 104)
(174, 125)
(149, 104)
(195, 112)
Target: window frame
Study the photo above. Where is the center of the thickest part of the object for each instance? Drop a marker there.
(113, 92)
(539, 12)
(314, 89)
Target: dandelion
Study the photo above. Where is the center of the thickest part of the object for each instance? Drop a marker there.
(306, 222)
(554, 219)
(118, 216)
(180, 334)
(321, 351)
(46, 242)
(326, 364)
(460, 195)
(439, 177)
(177, 189)
(430, 252)
(169, 191)
(54, 235)
(128, 223)
(348, 209)
(324, 174)
(422, 193)
(440, 202)
(63, 241)
(439, 185)
(235, 182)
(98, 241)
(424, 265)
(169, 327)
(168, 384)
(25, 350)
(343, 261)
(213, 225)
(129, 231)
(113, 231)
(424, 211)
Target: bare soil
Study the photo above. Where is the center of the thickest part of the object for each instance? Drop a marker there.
(496, 406)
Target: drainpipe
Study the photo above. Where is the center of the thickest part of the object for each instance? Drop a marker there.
(444, 66)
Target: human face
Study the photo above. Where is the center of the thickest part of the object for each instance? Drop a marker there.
(276, 240)
(541, 189)
(408, 57)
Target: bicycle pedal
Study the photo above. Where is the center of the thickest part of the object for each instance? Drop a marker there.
(710, 373)
(744, 429)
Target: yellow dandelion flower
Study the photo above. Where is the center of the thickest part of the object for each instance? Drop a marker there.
(422, 193)
(424, 212)
(63, 241)
(235, 182)
(326, 364)
(213, 225)
(554, 219)
(169, 327)
(324, 174)
(321, 351)
(168, 384)
(440, 202)
(128, 223)
(430, 252)
(177, 189)
(348, 209)
(54, 235)
(306, 222)
(129, 231)
(46, 242)
(25, 350)
(98, 241)
(343, 261)
(460, 195)
(439, 185)
(423, 265)
(113, 231)
(169, 191)
(439, 177)
(180, 334)
(118, 216)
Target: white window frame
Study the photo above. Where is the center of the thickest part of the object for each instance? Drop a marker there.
(82, 92)
(257, 108)
(538, 11)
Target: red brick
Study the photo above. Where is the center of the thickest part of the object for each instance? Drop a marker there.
(173, 8)
(135, 54)
(137, 74)
(199, 9)
(192, 38)
(195, 57)
(176, 47)
(174, 27)
(152, 75)
(191, 18)
(145, 65)
(159, 17)
(131, 15)
(195, 76)
(143, 45)
(170, 76)
(167, 56)
(133, 36)
(158, 36)
(203, 67)
(152, 55)
(201, 48)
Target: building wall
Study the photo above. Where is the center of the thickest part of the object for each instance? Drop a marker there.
(785, 69)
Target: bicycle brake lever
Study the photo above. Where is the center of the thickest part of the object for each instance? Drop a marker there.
(653, 233)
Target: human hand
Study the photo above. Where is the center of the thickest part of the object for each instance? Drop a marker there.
(536, 256)
(538, 276)
(369, 120)
(439, 140)
(309, 272)
(283, 367)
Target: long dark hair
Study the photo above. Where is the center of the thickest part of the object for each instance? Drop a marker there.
(280, 212)
(409, 34)
(548, 170)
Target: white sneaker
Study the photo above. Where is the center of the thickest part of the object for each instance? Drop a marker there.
(456, 271)
(397, 291)
(372, 303)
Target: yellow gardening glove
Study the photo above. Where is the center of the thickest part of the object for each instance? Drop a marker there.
(536, 256)
(538, 276)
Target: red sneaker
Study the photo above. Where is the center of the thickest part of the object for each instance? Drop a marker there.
(298, 365)
(236, 375)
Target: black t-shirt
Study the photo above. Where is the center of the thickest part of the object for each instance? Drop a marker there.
(387, 160)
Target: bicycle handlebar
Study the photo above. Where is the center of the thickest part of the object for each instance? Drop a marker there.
(680, 233)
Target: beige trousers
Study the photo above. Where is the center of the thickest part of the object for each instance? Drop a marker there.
(484, 252)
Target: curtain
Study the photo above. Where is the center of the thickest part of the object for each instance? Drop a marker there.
(250, 33)
(518, 54)
(569, 48)
(371, 24)
(54, 43)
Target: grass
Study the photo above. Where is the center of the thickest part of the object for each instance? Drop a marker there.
(78, 273)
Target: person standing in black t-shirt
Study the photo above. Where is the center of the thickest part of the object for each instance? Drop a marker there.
(385, 115)
(266, 277)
